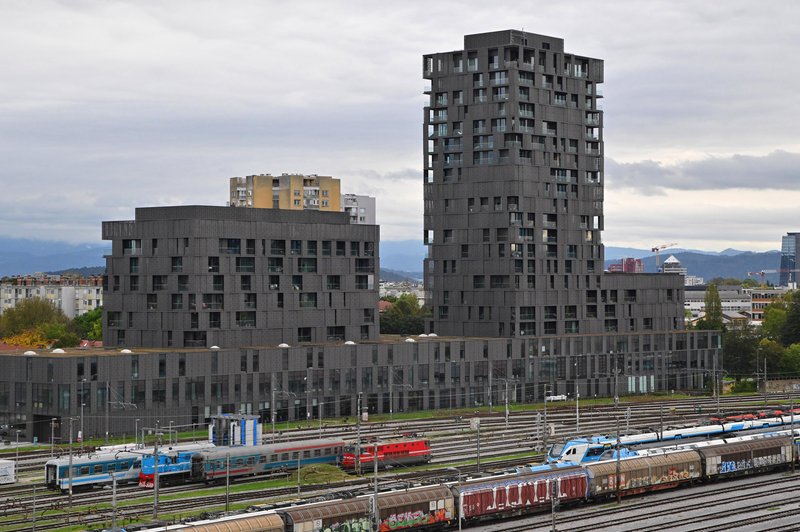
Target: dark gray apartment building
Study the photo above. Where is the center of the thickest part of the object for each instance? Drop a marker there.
(199, 276)
(513, 186)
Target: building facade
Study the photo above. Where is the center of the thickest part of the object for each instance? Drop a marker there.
(184, 387)
(286, 191)
(513, 190)
(73, 299)
(200, 276)
(361, 209)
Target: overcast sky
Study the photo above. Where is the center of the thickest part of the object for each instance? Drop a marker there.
(108, 105)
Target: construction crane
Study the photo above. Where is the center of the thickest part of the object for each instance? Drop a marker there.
(763, 273)
(657, 250)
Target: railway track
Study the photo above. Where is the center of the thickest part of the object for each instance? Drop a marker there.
(579, 518)
(449, 444)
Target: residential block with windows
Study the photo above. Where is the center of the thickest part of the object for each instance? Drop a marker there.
(513, 197)
(200, 276)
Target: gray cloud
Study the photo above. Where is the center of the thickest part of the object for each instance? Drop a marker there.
(777, 170)
(110, 105)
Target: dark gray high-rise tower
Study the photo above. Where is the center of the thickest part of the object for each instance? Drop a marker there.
(514, 197)
(789, 246)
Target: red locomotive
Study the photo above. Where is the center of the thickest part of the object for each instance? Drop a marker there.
(391, 453)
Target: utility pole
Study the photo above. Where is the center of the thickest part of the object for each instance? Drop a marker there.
(108, 406)
(70, 469)
(319, 410)
(391, 393)
(544, 437)
(113, 502)
(308, 395)
(661, 420)
(358, 436)
(227, 481)
(490, 387)
(272, 406)
(791, 407)
(616, 383)
(616, 483)
(553, 502)
(506, 404)
(478, 464)
(298, 473)
(376, 508)
(83, 434)
(52, 436)
(765, 381)
(155, 473)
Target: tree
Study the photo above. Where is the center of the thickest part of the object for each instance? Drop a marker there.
(774, 319)
(713, 317)
(404, 317)
(730, 281)
(790, 331)
(773, 352)
(739, 348)
(89, 325)
(30, 314)
(791, 359)
(58, 335)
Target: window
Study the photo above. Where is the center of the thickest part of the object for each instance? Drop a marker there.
(304, 334)
(363, 282)
(296, 247)
(326, 248)
(177, 264)
(134, 264)
(275, 265)
(336, 333)
(246, 284)
(251, 246)
(274, 282)
(218, 283)
(340, 248)
(307, 265)
(355, 249)
(134, 283)
(250, 301)
(277, 247)
(297, 282)
(246, 319)
(214, 320)
(308, 300)
(478, 281)
(152, 301)
(159, 282)
(246, 264)
(311, 247)
(231, 246)
(334, 282)
(131, 246)
(213, 264)
(213, 301)
(177, 302)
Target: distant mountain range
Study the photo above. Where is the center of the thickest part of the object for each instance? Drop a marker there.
(400, 259)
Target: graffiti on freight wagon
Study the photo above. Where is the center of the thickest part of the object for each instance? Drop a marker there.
(413, 519)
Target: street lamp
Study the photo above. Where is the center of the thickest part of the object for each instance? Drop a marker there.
(136, 435)
(16, 460)
(52, 436)
(458, 471)
(506, 397)
(577, 403)
(83, 434)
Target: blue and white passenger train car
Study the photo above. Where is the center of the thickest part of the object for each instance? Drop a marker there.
(593, 449)
(89, 470)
